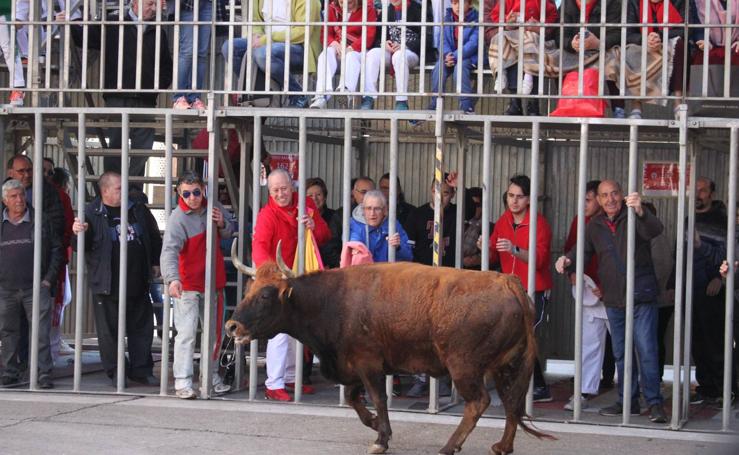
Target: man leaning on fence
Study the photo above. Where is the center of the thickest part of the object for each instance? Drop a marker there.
(16, 282)
(102, 229)
(606, 235)
(183, 271)
(130, 95)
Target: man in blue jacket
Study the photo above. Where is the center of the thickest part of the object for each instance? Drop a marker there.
(372, 229)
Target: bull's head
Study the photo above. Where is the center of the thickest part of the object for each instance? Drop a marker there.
(261, 314)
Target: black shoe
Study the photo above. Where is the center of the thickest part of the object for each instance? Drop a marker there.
(532, 107)
(617, 409)
(45, 382)
(9, 380)
(542, 394)
(418, 390)
(444, 389)
(606, 384)
(114, 381)
(657, 414)
(514, 107)
(148, 380)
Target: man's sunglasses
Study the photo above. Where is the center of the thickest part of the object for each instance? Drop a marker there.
(196, 192)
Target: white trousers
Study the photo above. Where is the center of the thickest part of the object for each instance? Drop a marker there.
(401, 66)
(328, 64)
(280, 361)
(22, 13)
(593, 349)
(18, 79)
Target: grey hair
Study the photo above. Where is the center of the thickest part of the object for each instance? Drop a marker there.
(280, 171)
(377, 194)
(10, 185)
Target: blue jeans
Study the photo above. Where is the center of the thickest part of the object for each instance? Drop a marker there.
(465, 102)
(645, 342)
(184, 71)
(239, 45)
(277, 63)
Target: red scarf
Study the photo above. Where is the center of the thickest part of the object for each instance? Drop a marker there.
(655, 14)
(589, 5)
(455, 18)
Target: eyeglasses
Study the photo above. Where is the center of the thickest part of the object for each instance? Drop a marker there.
(196, 192)
(26, 170)
(373, 209)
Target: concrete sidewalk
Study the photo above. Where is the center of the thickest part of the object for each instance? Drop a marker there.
(36, 423)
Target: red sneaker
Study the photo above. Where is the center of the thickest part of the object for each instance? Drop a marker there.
(307, 389)
(276, 394)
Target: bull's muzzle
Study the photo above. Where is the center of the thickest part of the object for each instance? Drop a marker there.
(237, 331)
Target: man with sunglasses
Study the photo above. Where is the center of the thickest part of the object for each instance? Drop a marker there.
(183, 271)
(102, 229)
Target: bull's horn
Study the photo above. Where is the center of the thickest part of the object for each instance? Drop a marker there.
(245, 269)
(281, 263)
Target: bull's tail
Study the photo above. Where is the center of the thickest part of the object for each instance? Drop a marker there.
(516, 371)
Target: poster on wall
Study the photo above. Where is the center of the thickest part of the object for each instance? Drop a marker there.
(662, 178)
(288, 162)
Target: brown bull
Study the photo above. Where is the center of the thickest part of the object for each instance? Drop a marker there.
(368, 321)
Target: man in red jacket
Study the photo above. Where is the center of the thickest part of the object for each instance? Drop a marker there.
(509, 244)
(278, 221)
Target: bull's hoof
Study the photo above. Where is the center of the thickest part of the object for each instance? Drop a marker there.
(496, 449)
(377, 448)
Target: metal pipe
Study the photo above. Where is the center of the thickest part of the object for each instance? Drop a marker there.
(123, 259)
(211, 297)
(580, 268)
(730, 257)
(346, 211)
(302, 144)
(392, 221)
(38, 194)
(679, 275)
(80, 291)
(533, 219)
(486, 177)
(459, 220)
(630, 248)
(256, 172)
(241, 235)
(166, 301)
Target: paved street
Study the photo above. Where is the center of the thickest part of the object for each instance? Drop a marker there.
(53, 423)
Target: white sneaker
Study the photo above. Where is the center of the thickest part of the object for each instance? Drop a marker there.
(186, 394)
(501, 83)
(319, 102)
(218, 386)
(570, 406)
(65, 349)
(527, 86)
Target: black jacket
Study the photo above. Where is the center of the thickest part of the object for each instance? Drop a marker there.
(570, 14)
(331, 250)
(52, 253)
(99, 247)
(148, 53)
(634, 34)
(597, 233)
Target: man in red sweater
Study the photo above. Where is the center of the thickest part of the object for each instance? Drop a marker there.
(509, 244)
(278, 221)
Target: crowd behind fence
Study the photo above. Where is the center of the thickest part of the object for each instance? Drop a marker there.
(651, 52)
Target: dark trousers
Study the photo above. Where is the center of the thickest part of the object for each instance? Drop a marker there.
(141, 139)
(540, 303)
(663, 320)
(708, 344)
(14, 305)
(139, 330)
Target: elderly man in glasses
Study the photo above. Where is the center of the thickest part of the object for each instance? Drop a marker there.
(102, 229)
(183, 271)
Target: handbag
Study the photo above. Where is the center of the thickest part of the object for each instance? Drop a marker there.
(583, 107)
(646, 288)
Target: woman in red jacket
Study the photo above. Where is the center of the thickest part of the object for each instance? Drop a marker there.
(333, 52)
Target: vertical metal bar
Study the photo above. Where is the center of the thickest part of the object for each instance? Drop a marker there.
(32, 80)
(438, 221)
(121, 17)
(207, 345)
(255, 185)
(684, 255)
(392, 220)
(730, 257)
(679, 282)
(80, 291)
(302, 144)
(486, 177)
(580, 267)
(346, 211)
(166, 301)
(38, 194)
(630, 247)
(460, 42)
(139, 45)
(240, 283)
(728, 42)
(459, 221)
(533, 218)
(157, 49)
(195, 24)
(123, 260)
(499, 37)
(706, 48)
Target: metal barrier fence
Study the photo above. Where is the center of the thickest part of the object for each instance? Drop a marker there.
(468, 125)
(640, 73)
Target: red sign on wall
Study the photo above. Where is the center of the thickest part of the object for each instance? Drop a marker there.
(286, 162)
(662, 178)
